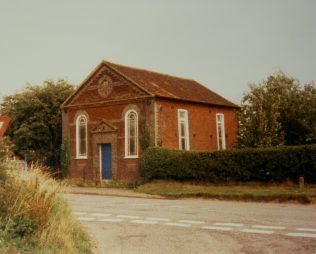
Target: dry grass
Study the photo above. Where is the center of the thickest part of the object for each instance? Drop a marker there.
(34, 217)
(287, 192)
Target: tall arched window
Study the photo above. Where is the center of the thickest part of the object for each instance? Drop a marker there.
(81, 137)
(131, 134)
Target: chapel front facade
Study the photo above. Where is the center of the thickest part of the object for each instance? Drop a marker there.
(117, 111)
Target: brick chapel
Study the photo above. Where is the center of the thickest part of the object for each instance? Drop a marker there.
(105, 117)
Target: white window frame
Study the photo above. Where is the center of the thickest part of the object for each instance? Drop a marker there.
(127, 155)
(78, 156)
(186, 122)
(222, 122)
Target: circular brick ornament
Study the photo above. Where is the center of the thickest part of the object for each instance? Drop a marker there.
(105, 86)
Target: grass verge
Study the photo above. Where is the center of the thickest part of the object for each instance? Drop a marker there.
(246, 191)
(79, 182)
(34, 217)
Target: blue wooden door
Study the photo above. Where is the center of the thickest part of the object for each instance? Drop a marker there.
(106, 161)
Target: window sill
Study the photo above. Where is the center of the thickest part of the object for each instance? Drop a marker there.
(81, 158)
(131, 157)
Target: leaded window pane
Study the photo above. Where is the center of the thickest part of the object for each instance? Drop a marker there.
(82, 136)
(131, 138)
(182, 127)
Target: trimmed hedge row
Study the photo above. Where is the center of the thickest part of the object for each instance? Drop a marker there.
(240, 165)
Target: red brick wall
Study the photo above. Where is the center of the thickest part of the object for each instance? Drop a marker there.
(202, 133)
(202, 125)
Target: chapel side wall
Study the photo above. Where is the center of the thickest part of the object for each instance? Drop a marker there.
(202, 125)
(125, 169)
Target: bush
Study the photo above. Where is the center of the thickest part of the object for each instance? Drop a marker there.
(65, 157)
(240, 165)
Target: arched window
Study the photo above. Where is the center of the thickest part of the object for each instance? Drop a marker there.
(81, 137)
(131, 134)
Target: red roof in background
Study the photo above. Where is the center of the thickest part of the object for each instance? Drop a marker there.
(161, 85)
(4, 123)
(167, 86)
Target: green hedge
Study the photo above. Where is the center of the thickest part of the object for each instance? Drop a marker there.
(241, 165)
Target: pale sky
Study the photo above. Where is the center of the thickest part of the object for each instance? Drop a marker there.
(223, 44)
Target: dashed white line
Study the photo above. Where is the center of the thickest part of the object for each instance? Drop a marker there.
(306, 229)
(218, 228)
(228, 224)
(192, 221)
(268, 227)
(302, 235)
(86, 218)
(178, 224)
(79, 213)
(144, 221)
(157, 219)
(111, 220)
(127, 216)
(101, 214)
(257, 231)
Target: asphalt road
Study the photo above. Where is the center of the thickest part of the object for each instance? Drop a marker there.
(136, 225)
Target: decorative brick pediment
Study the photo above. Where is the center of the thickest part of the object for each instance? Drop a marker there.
(106, 85)
(104, 127)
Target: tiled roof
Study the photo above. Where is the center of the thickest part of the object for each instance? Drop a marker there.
(167, 86)
(4, 123)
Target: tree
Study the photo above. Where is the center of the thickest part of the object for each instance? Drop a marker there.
(278, 111)
(35, 127)
(65, 157)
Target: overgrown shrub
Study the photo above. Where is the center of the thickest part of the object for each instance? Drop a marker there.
(34, 217)
(241, 165)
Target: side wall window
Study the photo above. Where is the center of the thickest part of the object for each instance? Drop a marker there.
(131, 134)
(220, 127)
(81, 137)
(183, 129)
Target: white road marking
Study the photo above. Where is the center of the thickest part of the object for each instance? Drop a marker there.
(218, 228)
(157, 219)
(144, 221)
(178, 224)
(86, 218)
(221, 226)
(192, 221)
(228, 224)
(302, 235)
(101, 214)
(111, 220)
(257, 231)
(267, 227)
(306, 229)
(79, 213)
(127, 216)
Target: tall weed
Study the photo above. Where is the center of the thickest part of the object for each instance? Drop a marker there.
(35, 216)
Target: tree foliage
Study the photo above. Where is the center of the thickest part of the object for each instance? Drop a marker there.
(35, 127)
(65, 157)
(278, 111)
